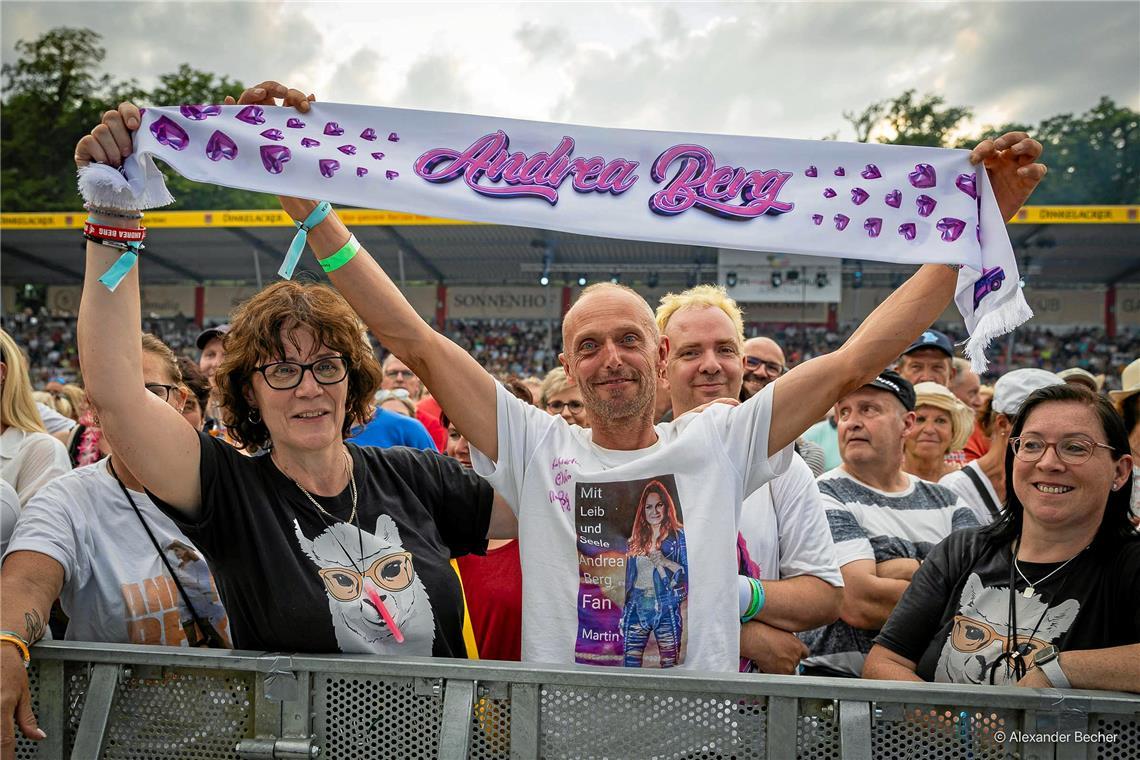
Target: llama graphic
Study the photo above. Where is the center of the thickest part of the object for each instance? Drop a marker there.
(388, 569)
(981, 631)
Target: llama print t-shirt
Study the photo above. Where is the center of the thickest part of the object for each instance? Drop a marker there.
(955, 620)
(305, 581)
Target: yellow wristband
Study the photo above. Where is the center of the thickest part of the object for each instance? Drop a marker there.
(20, 644)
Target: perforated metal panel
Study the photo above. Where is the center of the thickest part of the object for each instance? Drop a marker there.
(368, 718)
(490, 729)
(583, 722)
(26, 748)
(944, 732)
(1125, 730)
(184, 715)
(817, 731)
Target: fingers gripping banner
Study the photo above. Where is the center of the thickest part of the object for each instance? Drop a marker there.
(902, 204)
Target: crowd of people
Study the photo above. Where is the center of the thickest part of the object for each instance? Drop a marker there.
(672, 495)
(530, 347)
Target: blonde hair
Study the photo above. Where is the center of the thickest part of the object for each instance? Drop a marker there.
(554, 383)
(155, 347)
(701, 297)
(17, 407)
(60, 403)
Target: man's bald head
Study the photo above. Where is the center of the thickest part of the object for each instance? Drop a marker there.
(611, 292)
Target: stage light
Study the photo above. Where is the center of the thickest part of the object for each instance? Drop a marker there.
(792, 275)
(615, 278)
(730, 279)
(582, 280)
(652, 280)
(544, 280)
(777, 279)
(821, 279)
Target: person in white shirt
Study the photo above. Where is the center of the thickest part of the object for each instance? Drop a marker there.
(9, 513)
(573, 489)
(122, 570)
(884, 521)
(981, 483)
(782, 524)
(29, 457)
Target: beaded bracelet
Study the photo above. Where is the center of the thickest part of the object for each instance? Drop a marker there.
(116, 213)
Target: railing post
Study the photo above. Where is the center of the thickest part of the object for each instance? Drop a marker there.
(781, 733)
(455, 730)
(52, 715)
(855, 730)
(525, 708)
(101, 691)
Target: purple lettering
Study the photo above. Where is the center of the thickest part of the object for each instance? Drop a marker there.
(488, 161)
(698, 182)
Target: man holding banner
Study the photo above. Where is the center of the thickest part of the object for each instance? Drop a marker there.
(571, 487)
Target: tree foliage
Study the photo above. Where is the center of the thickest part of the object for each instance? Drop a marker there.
(903, 120)
(54, 93)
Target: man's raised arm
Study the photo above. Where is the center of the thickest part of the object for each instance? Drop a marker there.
(464, 390)
(804, 395)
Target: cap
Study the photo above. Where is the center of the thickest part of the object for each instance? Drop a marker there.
(896, 385)
(1082, 376)
(1129, 382)
(932, 339)
(209, 334)
(1012, 388)
(961, 416)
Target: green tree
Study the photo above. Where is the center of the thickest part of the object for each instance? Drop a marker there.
(55, 92)
(1093, 158)
(905, 120)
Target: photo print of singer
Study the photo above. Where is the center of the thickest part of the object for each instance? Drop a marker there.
(634, 575)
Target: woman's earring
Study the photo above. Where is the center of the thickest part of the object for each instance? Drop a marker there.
(254, 416)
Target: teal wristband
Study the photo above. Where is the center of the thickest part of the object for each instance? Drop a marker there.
(315, 217)
(341, 257)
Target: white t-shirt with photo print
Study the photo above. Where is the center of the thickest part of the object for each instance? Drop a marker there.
(709, 462)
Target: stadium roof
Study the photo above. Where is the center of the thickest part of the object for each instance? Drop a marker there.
(1058, 245)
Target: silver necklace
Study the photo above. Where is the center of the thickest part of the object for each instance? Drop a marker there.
(352, 482)
(1028, 592)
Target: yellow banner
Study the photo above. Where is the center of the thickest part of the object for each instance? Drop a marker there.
(364, 218)
(192, 219)
(1078, 215)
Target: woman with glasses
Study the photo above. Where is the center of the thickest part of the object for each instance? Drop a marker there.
(1046, 596)
(317, 545)
(560, 398)
(121, 569)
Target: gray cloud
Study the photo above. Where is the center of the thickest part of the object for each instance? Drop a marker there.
(543, 42)
(436, 82)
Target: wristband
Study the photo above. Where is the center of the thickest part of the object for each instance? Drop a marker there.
(757, 600)
(341, 257)
(315, 217)
(22, 645)
(117, 271)
(126, 234)
(115, 213)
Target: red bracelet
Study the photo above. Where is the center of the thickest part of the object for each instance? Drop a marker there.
(125, 234)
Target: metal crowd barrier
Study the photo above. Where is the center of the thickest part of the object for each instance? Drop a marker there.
(152, 703)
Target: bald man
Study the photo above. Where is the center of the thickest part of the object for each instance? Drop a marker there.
(617, 515)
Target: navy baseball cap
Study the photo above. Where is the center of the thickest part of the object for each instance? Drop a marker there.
(932, 339)
(896, 385)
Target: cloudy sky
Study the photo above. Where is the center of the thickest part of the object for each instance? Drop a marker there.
(776, 69)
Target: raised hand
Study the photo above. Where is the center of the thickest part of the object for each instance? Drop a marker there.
(1011, 162)
(109, 142)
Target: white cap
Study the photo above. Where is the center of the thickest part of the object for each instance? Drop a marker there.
(1012, 388)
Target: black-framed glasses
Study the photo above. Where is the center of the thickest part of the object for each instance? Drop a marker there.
(282, 376)
(160, 390)
(754, 363)
(1030, 448)
(576, 406)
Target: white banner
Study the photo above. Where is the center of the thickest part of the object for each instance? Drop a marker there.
(819, 198)
(779, 278)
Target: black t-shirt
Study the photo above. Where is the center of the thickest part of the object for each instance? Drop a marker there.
(295, 580)
(954, 618)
